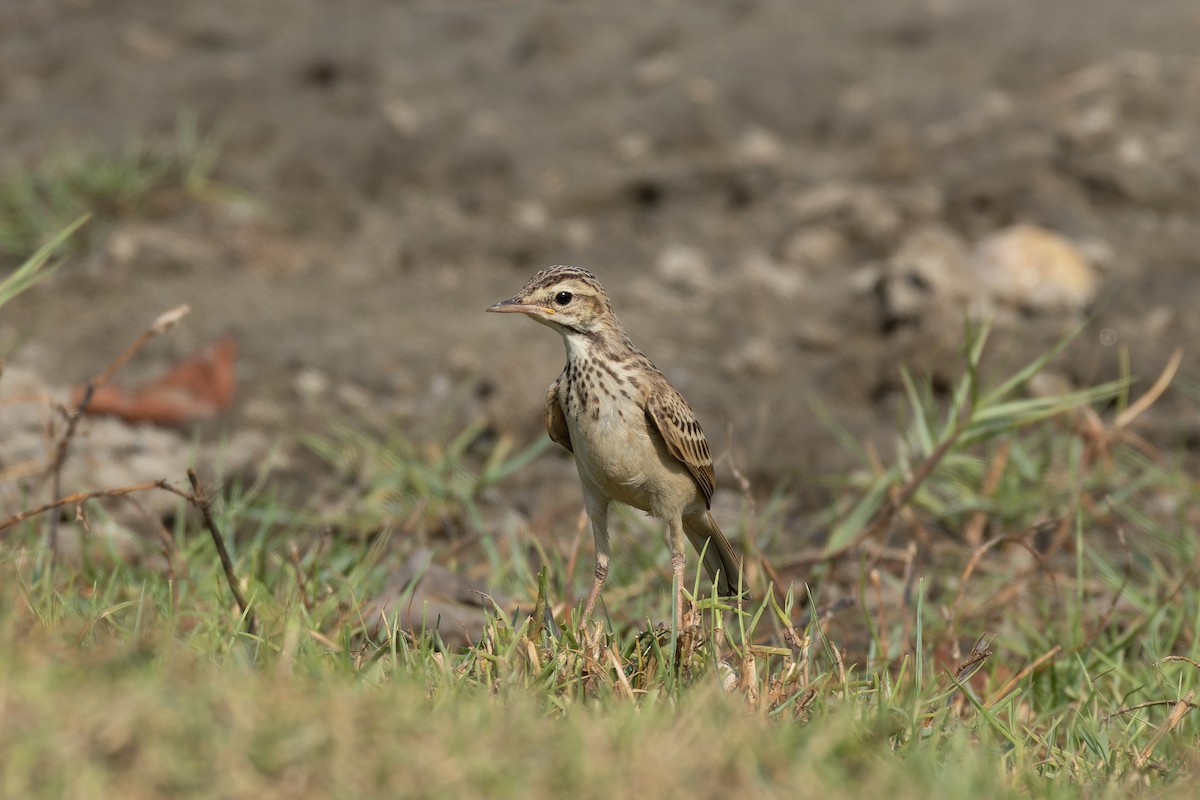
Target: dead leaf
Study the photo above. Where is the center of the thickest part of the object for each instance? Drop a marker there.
(199, 387)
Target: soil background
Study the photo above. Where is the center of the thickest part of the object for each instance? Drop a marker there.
(740, 175)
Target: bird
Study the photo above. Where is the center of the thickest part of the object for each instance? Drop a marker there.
(634, 438)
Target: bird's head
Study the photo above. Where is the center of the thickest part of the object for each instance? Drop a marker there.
(568, 299)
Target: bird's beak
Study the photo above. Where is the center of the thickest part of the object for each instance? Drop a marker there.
(514, 306)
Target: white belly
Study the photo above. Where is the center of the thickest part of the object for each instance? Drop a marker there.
(617, 455)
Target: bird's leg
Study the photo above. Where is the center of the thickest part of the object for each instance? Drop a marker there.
(597, 583)
(675, 539)
(597, 508)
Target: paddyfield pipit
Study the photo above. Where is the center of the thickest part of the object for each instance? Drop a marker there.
(634, 438)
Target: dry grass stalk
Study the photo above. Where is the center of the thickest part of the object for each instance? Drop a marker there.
(1180, 710)
(973, 533)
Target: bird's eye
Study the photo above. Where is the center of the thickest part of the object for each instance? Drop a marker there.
(562, 298)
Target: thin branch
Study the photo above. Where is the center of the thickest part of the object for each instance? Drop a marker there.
(161, 325)
(198, 499)
(1148, 704)
(76, 498)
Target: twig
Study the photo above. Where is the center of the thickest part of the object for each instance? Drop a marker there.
(198, 499)
(161, 325)
(201, 502)
(1147, 704)
(977, 556)
(78, 497)
(1183, 659)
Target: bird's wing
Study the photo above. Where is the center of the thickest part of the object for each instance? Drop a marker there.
(556, 423)
(680, 429)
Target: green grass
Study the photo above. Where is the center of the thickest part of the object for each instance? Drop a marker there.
(1039, 524)
(43, 197)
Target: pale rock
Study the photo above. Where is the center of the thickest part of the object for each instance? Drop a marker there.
(759, 270)
(531, 215)
(634, 146)
(927, 272)
(702, 91)
(758, 357)
(865, 279)
(1092, 123)
(148, 44)
(578, 233)
(863, 210)
(1029, 267)
(816, 248)
(311, 383)
(652, 72)
(758, 146)
(1158, 320)
(1049, 383)
(684, 267)
(402, 116)
(925, 201)
(1133, 152)
(817, 334)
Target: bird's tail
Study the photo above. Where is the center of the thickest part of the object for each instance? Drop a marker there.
(722, 563)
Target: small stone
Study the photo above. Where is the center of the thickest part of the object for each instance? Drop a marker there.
(816, 334)
(865, 279)
(864, 210)
(531, 215)
(311, 383)
(925, 201)
(1033, 268)
(650, 73)
(702, 91)
(1090, 124)
(816, 248)
(403, 116)
(578, 233)
(634, 146)
(926, 273)
(1133, 151)
(760, 270)
(758, 357)
(147, 44)
(758, 146)
(684, 267)
(1049, 383)
(355, 397)
(1157, 321)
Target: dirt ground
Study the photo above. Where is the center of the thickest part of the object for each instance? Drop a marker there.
(741, 175)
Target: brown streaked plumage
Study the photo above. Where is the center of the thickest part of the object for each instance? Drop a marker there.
(634, 438)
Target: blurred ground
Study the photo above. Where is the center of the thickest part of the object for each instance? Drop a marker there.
(745, 177)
